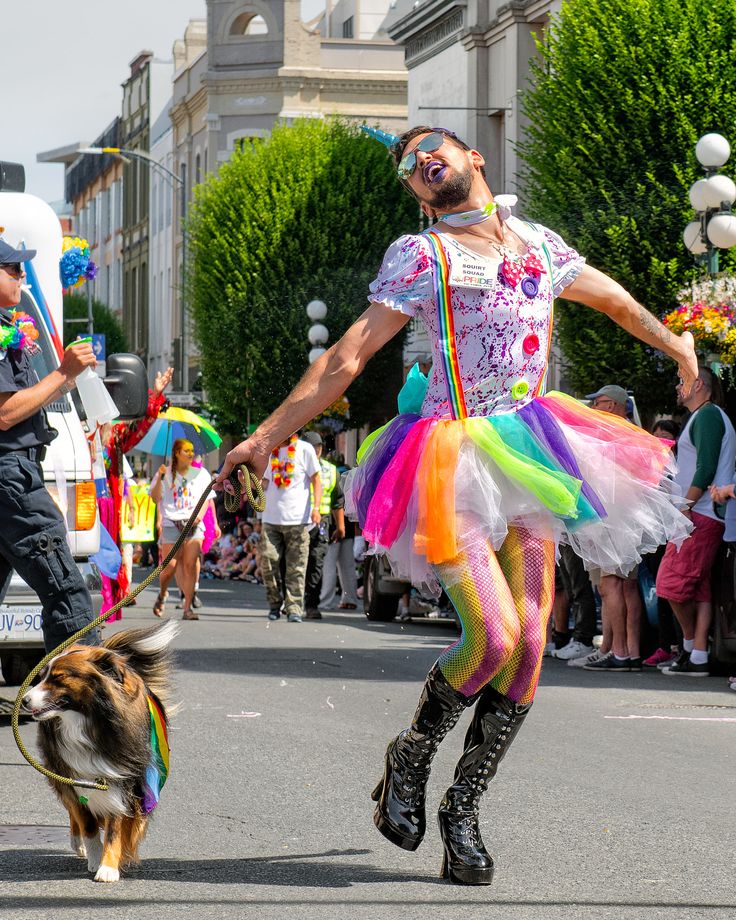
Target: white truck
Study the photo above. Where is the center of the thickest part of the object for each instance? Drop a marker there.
(28, 222)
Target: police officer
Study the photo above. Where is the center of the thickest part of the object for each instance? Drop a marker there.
(318, 536)
(33, 534)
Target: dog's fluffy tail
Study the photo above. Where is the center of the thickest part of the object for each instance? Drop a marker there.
(147, 652)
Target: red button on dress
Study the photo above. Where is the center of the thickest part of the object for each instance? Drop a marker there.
(530, 345)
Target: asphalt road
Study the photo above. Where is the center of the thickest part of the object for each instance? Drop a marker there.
(616, 801)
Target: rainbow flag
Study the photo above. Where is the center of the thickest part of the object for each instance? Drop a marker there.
(157, 770)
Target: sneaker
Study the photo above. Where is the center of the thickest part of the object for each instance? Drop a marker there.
(635, 664)
(660, 657)
(609, 662)
(312, 614)
(549, 650)
(274, 613)
(679, 661)
(588, 659)
(196, 602)
(419, 606)
(687, 669)
(573, 649)
(403, 614)
(294, 618)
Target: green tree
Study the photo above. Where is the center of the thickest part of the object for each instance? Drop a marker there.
(103, 320)
(305, 214)
(622, 92)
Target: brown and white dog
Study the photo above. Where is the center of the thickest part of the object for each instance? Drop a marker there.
(96, 707)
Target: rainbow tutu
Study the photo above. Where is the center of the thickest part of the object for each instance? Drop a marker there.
(426, 489)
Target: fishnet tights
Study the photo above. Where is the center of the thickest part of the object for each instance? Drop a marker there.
(503, 600)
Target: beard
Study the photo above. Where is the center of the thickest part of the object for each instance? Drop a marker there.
(453, 192)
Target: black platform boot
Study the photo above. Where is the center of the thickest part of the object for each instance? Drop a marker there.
(400, 794)
(495, 723)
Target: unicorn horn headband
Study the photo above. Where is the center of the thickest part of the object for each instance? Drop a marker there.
(384, 137)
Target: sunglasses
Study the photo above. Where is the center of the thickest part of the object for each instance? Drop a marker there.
(14, 268)
(427, 144)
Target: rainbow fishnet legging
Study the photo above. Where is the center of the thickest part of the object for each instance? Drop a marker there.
(504, 600)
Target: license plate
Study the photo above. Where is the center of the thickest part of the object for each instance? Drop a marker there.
(22, 622)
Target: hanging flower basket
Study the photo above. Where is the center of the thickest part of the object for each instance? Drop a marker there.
(707, 309)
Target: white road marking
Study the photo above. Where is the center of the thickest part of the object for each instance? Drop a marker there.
(677, 718)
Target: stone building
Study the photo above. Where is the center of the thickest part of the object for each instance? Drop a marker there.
(468, 61)
(94, 190)
(255, 62)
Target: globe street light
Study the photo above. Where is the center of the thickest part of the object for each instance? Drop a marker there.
(714, 226)
(318, 333)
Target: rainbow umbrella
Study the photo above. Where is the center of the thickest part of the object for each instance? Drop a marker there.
(179, 423)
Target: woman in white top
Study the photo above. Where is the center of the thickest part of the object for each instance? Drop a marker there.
(176, 489)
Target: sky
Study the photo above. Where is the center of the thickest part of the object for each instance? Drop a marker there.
(61, 70)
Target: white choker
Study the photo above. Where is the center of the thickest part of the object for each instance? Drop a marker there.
(467, 218)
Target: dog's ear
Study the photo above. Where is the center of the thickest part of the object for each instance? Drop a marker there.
(111, 665)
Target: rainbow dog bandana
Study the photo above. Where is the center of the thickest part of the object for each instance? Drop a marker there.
(157, 770)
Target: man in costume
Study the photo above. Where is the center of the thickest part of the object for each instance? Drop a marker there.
(471, 489)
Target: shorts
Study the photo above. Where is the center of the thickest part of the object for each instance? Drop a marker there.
(684, 575)
(171, 532)
(596, 574)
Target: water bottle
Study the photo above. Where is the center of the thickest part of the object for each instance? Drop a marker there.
(98, 405)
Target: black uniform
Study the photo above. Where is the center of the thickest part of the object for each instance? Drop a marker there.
(33, 534)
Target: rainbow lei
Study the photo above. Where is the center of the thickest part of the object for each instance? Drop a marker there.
(281, 473)
(21, 334)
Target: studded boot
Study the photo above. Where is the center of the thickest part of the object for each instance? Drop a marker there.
(400, 794)
(496, 721)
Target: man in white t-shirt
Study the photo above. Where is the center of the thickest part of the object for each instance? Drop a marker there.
(287, 520)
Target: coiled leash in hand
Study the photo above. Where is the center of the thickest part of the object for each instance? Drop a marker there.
(254, 494)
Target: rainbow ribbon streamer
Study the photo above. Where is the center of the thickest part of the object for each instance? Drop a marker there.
(157, 770)
(448, 346)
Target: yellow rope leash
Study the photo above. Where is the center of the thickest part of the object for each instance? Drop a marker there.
(254, 494)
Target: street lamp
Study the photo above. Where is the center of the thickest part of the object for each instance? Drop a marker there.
(124, 153)
(318, 333)
(714, 226)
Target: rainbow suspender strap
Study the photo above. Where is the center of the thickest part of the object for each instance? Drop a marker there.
(448, 346)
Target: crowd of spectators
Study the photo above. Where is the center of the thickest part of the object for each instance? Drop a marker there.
(674, 585)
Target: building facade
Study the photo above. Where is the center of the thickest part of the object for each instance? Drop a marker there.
(468, 61)
(253, 63)
(144, 95)
(161, 280)
(94, 190)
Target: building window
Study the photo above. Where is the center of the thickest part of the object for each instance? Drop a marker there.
(118, 204)
(249, 24)
(347, 28)
(154, 214)
(197, 169)
(184, 197)
(92, 230)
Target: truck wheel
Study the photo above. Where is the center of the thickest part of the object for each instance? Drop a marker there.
(17, 665)
(377, 606)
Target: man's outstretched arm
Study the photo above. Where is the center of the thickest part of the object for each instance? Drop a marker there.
(325, 381)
